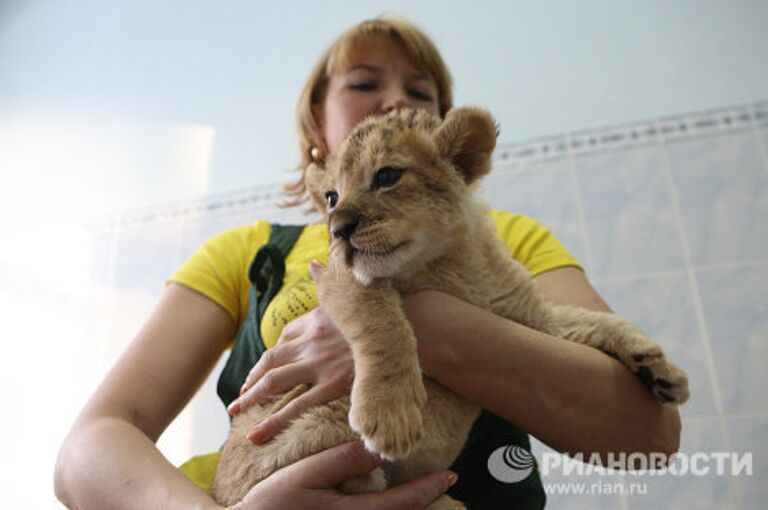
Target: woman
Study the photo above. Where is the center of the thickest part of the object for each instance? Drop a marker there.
(574, 398)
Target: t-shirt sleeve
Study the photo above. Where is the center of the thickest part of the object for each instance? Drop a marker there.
(218, 268)
(530, 242)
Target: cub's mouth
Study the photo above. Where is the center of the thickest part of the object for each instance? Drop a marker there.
(353, 250)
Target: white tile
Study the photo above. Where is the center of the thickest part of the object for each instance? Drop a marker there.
(103, 247)
(542, 191)
(146, 257)
(662, 306)
(723, 193)
(629, 217)
(736, 313)
(750, 434)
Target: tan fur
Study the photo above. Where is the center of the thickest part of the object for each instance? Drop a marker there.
(427, 230)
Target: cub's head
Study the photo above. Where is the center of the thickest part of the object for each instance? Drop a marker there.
(398, 187)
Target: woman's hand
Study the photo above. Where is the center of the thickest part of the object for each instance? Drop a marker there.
(311, 350)
(311, 482)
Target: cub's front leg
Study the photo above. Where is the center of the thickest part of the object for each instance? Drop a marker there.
(388, 392)
(626, 342)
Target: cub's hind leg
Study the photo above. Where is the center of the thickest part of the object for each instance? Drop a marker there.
(626, 342)
(243, 464)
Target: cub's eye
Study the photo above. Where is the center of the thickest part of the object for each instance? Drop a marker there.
(386, 176)
(331, 198)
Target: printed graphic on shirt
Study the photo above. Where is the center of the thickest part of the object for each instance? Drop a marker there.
(294, 300)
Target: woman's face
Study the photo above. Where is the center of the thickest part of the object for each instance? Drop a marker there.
(380, 78)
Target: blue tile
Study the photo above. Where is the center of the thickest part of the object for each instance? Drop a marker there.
(663, 308)
(750, 434)
(629, 217)
(736, 313)
(723, 192)
(542, 191)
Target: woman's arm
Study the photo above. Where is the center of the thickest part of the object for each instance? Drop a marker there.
(109, 459)
(570, 396)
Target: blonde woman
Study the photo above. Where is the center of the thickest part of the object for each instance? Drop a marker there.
(572, 397)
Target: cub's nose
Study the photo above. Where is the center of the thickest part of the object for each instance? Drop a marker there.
(343, 222)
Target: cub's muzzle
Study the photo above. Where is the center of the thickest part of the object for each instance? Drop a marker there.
(343, 221)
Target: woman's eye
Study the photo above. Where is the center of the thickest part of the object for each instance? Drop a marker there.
(421, 96)
(386, 176)
(363, 86)
(331, 198)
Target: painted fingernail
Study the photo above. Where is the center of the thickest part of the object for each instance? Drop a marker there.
(452, 478)
(257, 436)
(234, 407)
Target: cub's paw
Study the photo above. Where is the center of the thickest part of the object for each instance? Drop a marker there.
(666, 381)
(388, 416)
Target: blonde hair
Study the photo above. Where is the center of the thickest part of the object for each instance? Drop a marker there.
(336, 58)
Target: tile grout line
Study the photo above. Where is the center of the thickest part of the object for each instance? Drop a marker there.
(742, 415)
(736, 264)
(580, 213)
(715, 266)
(759, 139)
(631, 277)
(698, 308)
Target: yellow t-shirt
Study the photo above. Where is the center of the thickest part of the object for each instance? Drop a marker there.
(219, 270)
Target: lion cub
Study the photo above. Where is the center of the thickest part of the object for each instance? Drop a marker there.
(403, 216)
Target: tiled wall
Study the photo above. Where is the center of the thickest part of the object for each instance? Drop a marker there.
(670, 219)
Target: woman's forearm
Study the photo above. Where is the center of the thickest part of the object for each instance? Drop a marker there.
(571, 397)
(109, 463)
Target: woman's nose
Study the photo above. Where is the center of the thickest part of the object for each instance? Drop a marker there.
(395, 100)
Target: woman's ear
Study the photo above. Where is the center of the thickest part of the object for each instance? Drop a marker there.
(319, 148)
(317, 115)
(467, 137)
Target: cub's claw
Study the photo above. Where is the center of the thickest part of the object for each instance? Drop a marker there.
(666, 381)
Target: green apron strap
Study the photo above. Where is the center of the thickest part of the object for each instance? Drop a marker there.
(476, 487)
(266, 274)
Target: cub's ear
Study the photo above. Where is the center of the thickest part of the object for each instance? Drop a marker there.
(467, 138)
(315, 177)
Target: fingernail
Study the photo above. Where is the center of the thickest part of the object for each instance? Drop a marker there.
(234, 407)
(257, 436)
(242, 389)
(452, 478)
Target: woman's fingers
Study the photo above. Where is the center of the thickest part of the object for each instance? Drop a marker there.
(332, 466)
(415, 494)
(316, 269)
(275, 423)
(272, 358)
(274, 382)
